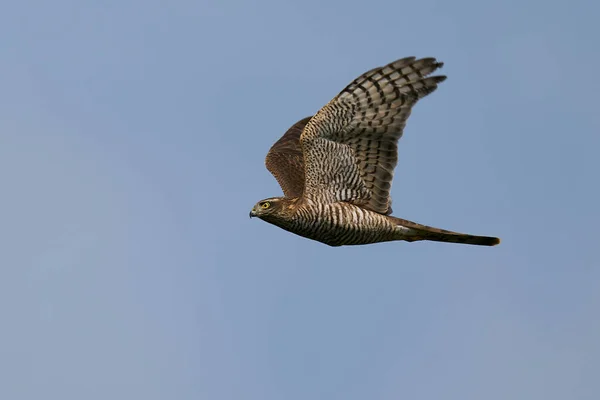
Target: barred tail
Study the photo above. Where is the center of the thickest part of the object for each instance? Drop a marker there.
(423, 232)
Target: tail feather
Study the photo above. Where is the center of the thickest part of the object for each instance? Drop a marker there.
(424, 232)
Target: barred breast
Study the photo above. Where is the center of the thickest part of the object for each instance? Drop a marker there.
(341, 223)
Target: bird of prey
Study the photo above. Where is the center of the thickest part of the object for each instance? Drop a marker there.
(336, 167)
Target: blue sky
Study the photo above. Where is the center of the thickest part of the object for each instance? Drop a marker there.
(132, 144)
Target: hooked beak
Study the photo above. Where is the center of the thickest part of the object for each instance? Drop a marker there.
(252, 213)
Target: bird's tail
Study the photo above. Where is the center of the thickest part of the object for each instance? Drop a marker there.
(417, 232)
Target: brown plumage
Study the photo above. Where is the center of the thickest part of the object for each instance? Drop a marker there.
(336, 167)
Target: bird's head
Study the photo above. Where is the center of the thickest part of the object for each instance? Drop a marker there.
(269, 209)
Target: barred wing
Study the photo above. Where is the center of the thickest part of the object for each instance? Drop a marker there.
(350, 145)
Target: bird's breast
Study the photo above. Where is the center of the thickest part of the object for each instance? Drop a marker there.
(341, 223)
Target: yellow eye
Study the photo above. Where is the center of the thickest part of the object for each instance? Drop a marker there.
(265, 205)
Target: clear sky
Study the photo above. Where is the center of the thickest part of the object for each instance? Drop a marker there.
(132, 145)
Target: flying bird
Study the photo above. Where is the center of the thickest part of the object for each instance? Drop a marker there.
(336, 167)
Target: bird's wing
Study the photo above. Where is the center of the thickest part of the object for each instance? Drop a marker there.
(350, 145)
(285, 160)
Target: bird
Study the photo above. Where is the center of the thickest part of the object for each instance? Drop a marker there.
(335, 168)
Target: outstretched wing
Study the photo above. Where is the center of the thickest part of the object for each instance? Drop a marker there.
(286, 162)
(350, 145)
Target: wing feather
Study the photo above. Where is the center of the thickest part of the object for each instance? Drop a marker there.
(350, 145)
(286, 162)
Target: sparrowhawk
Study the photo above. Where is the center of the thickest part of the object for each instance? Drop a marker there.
(336, 167)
